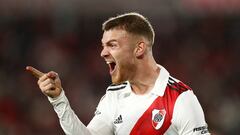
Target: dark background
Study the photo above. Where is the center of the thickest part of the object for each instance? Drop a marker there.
(197, 41)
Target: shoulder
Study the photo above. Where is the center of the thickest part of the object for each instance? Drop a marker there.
(187, 99)
(110, 99)
(177, 85)
(188, 113)
(114, 90)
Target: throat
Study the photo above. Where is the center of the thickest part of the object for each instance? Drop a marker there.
(143, 86)
(141, 89)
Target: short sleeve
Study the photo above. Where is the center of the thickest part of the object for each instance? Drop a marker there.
(188, 117)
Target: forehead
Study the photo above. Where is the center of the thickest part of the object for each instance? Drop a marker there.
(115, 34)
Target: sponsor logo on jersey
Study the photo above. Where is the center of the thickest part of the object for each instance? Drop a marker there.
(158, 117)
(202, 129)
(118, 120)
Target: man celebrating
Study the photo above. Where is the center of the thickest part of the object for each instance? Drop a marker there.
(143, 98)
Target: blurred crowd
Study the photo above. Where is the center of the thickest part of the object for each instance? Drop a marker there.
(202, 51)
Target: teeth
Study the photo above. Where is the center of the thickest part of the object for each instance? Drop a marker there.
(108, 62)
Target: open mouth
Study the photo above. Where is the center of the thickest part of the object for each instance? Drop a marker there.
(112, 67)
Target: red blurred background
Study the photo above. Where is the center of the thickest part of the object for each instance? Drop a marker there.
(201, 37)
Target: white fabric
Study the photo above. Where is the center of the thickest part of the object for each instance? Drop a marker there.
(119, 110)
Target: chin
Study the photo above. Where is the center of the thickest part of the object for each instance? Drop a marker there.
(119, 76)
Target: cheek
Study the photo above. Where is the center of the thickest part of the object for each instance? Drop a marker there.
(126, 60)
(125, 56)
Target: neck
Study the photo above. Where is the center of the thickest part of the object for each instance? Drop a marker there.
(145, 77)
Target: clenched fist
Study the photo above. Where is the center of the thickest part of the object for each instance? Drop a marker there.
(49, 83)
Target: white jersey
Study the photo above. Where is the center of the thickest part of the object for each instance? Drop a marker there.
(170, 108)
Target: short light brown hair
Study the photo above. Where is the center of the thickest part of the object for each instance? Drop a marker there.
(134, 23)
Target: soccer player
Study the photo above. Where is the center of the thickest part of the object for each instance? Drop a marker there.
(143, 98)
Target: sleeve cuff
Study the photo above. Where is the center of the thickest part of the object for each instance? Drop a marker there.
(57, 99)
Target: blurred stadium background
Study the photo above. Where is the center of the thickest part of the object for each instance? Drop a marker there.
(198, 41)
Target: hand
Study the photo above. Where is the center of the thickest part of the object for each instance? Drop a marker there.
(49, 83)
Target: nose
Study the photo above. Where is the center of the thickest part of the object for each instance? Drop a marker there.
(104, 52)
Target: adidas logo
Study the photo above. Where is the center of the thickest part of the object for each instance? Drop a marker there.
(118, 120)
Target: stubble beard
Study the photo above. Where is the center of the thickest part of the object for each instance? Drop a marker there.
(123, 73)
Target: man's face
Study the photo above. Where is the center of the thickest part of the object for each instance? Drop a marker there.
(118, 52)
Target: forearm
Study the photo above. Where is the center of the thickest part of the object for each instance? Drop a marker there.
(67, 118)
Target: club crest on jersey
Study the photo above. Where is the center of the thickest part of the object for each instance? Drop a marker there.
(158, 117)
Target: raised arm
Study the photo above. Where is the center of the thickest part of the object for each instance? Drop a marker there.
(50, 85)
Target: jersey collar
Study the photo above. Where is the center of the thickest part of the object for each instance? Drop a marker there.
(161, 82)
(159, 86)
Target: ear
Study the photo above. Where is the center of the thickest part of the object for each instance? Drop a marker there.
(140, 49)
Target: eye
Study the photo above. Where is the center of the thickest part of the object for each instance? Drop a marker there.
(112, 45)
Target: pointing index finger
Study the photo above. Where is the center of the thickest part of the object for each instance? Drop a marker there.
(34, 71)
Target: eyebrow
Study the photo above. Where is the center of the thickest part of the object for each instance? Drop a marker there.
(108, 42)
